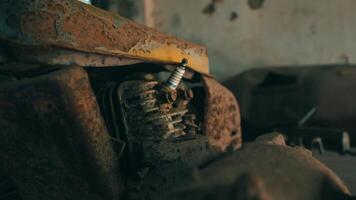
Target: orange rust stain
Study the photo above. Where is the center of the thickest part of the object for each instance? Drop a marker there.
(38, 29)
(90, 32)
(82, 27)
(222, 123)
(175, 54)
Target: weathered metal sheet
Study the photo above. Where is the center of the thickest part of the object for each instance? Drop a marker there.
(222, 116)
(71, 24)
(53, 141)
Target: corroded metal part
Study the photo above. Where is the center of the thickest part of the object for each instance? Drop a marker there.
(266, 170)
(70, 24)
(159, 117)
(163, 139)
(222, 116)
(68, 57)
(54, 143)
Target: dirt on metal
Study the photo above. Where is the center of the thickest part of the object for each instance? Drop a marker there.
(77, 26)
(54, 143)
(222, 118)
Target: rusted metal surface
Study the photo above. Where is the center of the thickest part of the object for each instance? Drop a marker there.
(71, 24)
(222, 116)
(61, 56)
(164, 142)
(54, 143)
(159, 118)
(266, 169)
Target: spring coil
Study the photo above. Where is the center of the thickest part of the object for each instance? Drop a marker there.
(177, 75)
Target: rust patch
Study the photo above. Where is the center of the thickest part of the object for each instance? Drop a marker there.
(75, 25)
(67, 57)
(34, 25)
(222, 116)
(90, 32)
(54, 142)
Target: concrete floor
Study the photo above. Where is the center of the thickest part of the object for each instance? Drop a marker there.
(344, 166)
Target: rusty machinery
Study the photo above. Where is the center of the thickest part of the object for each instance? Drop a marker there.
(95, 106)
